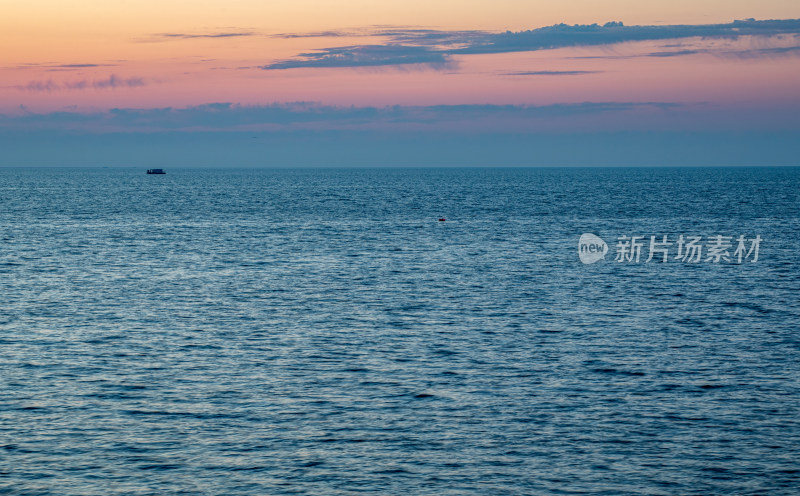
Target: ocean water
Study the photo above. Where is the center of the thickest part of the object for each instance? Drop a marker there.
(254, 332)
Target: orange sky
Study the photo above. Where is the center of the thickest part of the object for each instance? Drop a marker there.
(125, 40)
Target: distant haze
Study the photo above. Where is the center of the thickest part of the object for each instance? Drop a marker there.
(440, 83)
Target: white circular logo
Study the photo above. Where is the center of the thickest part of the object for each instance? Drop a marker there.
(591, 248)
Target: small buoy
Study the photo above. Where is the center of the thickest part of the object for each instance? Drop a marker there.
(442, 219)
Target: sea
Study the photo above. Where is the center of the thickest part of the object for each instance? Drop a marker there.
(321, 331)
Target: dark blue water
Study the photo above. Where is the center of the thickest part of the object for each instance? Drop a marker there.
(252, 332)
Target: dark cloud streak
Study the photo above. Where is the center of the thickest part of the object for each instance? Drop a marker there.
(436, 47)
(551, 73)
(112, 82)
(754, 53)
(366, 56)
(228, 116)
(79, 66)
(563, 35)
(189, 36)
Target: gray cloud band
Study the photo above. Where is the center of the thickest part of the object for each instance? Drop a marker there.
(436, 48)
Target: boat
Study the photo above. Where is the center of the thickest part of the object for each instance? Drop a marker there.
(156, 171)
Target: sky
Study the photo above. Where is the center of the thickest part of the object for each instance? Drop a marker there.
(399, 83)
